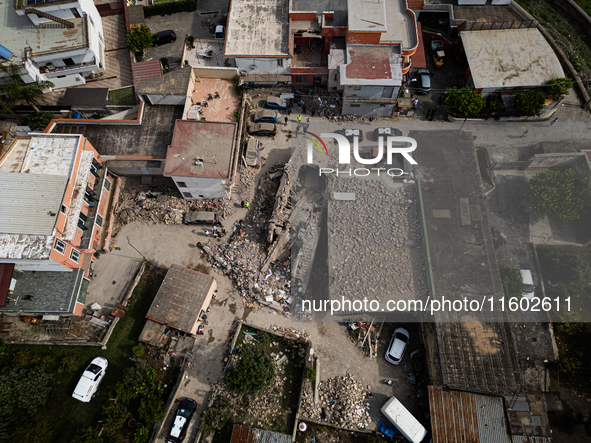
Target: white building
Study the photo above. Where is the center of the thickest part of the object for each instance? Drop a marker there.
(58, 41)
(202, 158)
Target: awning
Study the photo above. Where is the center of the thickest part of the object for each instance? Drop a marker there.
(5, 53)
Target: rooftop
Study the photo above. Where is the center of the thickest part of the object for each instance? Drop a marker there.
(86, 97)
(211, 141)
(244, 434)
(371, 65)
(510, 58)
(18, 32)
(339, 7)
(219, 109)
(150, 138)
(196, 57)
(44, 292)
(258, 28)
(146, 75)
(401, 25)
(367, 15)
(180, 298)
(467, 417)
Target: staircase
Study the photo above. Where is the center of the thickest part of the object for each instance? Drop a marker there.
(53, 18)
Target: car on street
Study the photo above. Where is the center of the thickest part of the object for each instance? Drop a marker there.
(420, 82)
(163, 37)
(397, 346)
(528, 283)
(273, 102)
(385, 132)
(200, 218)
(350, 134)
(266, 116)
(219, 32)
(182, 419)
(263, 129)
(91, 379)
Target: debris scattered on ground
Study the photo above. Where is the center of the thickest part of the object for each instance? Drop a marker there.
(343, 402)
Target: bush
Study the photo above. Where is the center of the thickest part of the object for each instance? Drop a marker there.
(69, 364)
(38, 120)
(139, 38)
(138, 350)
(254, 371)
(512, 283)
(27, 389)
(116, 416)
(463, 101)
(170, 8)
(564, 194)
(141, 435)
(151, 409)
(190, 40)
(310, 374)
(559, 86)
(530, 103)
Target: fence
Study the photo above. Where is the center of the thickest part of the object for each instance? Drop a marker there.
(515, 24)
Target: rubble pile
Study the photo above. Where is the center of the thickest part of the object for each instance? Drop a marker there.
(326, 105)
(279, 219)
(343, 402)
(291, 333)
(161, 207)
(375, 247)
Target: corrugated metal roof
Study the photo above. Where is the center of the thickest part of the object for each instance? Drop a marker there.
(30, 202)
(86, 97)
(244, 434)
(143, 71)
(463, 416)
(530, 439)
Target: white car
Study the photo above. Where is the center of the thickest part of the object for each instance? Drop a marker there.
(91, 379)
(397, 346)
(528, 283)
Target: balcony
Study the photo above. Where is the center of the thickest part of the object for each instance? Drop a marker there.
(93, 198)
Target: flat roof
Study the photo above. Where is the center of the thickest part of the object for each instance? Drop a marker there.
(466, 417)
(474, 356)
(258, 28)
(371, 65)
(211, 141)
(509, 58)
(150, 138)
(18, 32)
(44, 292)
(401, 25)
(339, 7)
(367, 16)
(219, 109)
(86, 97)
(180, 298)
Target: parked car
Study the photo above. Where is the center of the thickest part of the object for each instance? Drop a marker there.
(263, 129)
(252, 151)
(350, 134)
(182, 419)
(163, 37)
(200, 218)
(528, 283)
(219, 32)
(385, 132)
(421, 82)
(397, 346)
(91, 379)
(275, 103)
(266, 116)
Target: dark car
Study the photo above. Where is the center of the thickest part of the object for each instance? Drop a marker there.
(385, 132)
(275, 103)
(420, 82)
(263, 129)
(181, 421)
(163, 37)
(200, 218)
(266, 116)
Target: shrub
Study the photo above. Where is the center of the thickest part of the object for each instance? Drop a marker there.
(139, 38)
(27, 389)
(559, 86)
(310, 374)
(530, 103)
(254, 371)
(564, 194)
(116, 416)
(170, 8)
(463, 101)
(138, 350)
(512, 283)
(38, 120)
(151, 409)
(141, 435)
(571, 363)
(69, 364)
(190, 40)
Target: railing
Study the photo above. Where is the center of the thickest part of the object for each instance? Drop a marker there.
(509, 24)
(88, 233)
(56, 69)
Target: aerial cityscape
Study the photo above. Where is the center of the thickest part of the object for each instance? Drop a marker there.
(277, 221)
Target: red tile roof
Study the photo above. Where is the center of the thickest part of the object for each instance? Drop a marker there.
(145, 71)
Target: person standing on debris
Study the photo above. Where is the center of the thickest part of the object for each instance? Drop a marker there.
(207, 232)
(286, 120)
(223, 232)
(247, 205)
(215, 229)
(415, 102)
(307, 124)
(304, 109)
(313, 111)
(299, 118)
(215, 235)
(242, 203)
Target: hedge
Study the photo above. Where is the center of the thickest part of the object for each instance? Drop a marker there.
(170, 8)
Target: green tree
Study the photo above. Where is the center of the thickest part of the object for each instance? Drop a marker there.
(572, 363)
(564, 195)
(151, 408)
(512, 283)
(253, 372)
(38, 120)
(139, 38)
(41, 431)
(142, 434)
(16, 90)
(88, 435)
(24, 388)
(559, 86)
(530, 103)
(7, 423)
(463, 101)
(116, 416)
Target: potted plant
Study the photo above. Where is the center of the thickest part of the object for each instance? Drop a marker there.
(190, 41)
(186, 62)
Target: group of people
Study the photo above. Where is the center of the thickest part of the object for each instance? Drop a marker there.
(215, 231)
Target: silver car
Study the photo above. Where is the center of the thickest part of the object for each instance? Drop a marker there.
(397, 346)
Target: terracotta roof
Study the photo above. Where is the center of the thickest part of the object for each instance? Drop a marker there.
(145, 71)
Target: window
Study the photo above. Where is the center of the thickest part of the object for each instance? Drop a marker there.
(357, 88)
(82, 222)
(60, 246)
(64, 209)
(181, 184)
(69, 62)
(99, 220)
(187, 195)
(300, 79)
(107, 185)
(280, 63)
(355, 105)
(75, 255)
